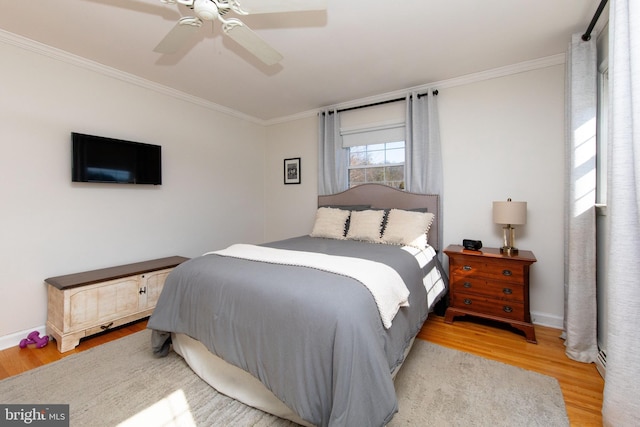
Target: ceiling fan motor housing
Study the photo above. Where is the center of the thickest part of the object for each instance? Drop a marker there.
(206, 10)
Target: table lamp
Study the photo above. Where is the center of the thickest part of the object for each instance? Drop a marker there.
(509, 213)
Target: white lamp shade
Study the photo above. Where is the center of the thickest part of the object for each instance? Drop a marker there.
(514, 213)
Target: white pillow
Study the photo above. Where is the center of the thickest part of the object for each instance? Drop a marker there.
(407, 228)
(330, 223)
(365, 225)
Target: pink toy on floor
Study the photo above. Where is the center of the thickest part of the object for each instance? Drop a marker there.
(35, 338)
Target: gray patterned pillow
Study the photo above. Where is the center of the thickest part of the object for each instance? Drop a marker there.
(365, 225)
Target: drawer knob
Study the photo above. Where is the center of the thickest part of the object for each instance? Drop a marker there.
(507, 309)
(467, 301)
(466, 285)
(467, 268)
(506, 272)
(507, 291)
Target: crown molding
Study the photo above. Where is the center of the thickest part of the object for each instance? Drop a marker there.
(508, 70)
(61, 55)
(78, 61)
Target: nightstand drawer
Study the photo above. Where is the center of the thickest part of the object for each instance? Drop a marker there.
(482, 287)
(491, 269)
(505, 309)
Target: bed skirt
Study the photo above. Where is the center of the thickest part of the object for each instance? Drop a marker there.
(235, 382)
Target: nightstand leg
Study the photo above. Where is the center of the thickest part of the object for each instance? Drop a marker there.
(449, 315)
(529, 332)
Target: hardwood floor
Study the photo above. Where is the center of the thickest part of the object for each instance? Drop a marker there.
(581, 383)
(16, 360)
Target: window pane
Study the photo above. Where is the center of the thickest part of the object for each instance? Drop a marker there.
(375, 147)
(395, 173)
(376, 158)
(392, 145)
(356, 176)
(375, 174)
(358, 149)
(357, 159)
(395, 156)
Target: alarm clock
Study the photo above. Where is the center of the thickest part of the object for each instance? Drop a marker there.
(472, 245)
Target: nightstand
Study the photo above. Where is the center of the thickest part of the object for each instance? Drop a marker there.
(490, 285)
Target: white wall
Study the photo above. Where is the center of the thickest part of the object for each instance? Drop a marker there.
(211, 195)
(501, 138)
(505, 138)
(291, 208)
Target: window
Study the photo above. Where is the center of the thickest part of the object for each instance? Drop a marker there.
(375, 141)
(382, 163)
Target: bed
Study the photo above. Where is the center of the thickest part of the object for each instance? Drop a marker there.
(314, 328)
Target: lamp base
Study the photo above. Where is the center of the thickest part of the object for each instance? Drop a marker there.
(508, 250)
(509, 239)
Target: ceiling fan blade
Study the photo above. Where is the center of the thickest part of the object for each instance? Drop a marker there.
(251, 41)
(278, 6)
(184, 29)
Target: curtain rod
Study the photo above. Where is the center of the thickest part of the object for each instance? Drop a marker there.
(420, 95)
(587, 35)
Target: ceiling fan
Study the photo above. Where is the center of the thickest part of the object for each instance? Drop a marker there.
(211, 10)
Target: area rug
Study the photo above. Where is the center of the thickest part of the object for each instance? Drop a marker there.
(121, 383)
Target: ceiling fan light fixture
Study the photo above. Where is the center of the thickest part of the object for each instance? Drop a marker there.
(206, 10)
(212, 10)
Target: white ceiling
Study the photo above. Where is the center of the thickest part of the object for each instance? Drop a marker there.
(353, 50)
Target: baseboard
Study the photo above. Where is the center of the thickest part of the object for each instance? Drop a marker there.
(546, 319)
(13, 340)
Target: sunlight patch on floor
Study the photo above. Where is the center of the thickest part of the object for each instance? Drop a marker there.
(173, 410)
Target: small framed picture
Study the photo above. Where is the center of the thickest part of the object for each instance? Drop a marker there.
(292, 172)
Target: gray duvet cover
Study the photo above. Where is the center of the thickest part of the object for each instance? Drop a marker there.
(314, 338)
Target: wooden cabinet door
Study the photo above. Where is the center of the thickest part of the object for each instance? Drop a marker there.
(151, 285)
(92, 305)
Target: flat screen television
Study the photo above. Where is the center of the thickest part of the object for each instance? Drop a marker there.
(101, 159)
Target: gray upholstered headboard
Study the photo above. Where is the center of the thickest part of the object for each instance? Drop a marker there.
(385, 197)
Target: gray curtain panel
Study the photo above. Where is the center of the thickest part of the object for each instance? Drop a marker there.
(332, 157)
(580, 310)
(621, 405)
(423, 151)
